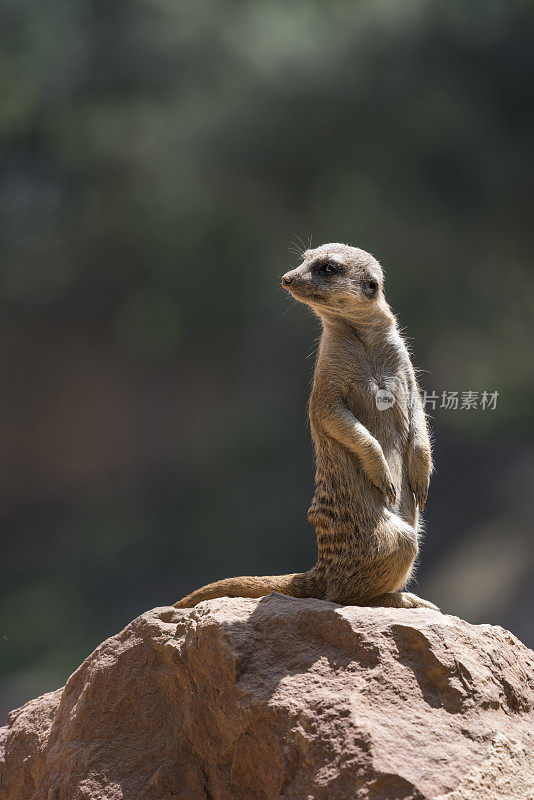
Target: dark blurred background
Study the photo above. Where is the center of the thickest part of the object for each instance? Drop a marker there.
(158, 160)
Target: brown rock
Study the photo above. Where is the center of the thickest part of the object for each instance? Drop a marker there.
(241, 699)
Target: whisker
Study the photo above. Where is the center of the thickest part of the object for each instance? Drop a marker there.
(298, 250)
(302, 242)
(289, 306)
(315, 348)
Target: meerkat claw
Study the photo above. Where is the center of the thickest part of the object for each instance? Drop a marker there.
(391, 494)
(420, 496)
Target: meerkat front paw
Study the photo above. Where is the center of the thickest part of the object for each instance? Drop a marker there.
(419, 470)
(391, 494)
(389, 491)
(420, 492)
(384, 481)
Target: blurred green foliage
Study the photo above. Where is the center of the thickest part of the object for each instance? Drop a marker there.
(158, 159)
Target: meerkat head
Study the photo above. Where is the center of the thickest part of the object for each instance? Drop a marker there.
(338, 280)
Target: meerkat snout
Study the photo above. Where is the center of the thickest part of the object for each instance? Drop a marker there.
(287, 279)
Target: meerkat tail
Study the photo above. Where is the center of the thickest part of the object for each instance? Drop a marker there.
(299, 584)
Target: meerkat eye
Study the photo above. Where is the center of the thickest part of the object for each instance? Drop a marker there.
(329, 267)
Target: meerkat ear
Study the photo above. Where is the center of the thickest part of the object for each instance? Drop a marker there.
(369, 288)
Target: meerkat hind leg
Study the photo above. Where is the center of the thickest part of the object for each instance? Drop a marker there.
(402, 600)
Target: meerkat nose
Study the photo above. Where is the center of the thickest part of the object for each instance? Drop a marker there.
(287, 280)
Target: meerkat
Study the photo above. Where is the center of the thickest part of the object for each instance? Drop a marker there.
(371, 441)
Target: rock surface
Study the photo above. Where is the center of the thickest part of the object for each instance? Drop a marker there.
(243, 699)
